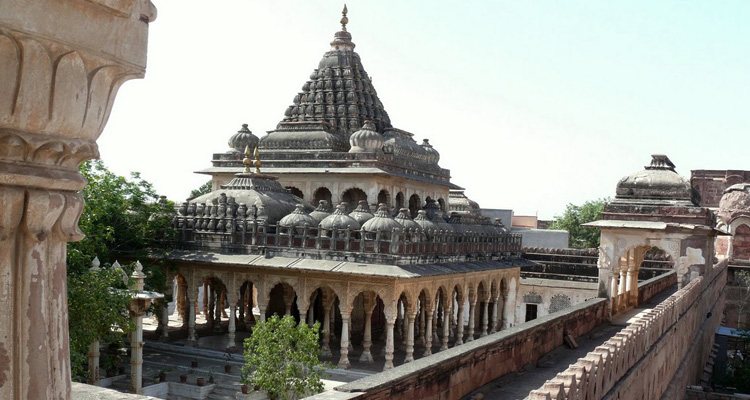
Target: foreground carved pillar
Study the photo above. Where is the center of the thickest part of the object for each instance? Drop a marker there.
(472, 322)
(231, 327)
(61, 63)
(459, 321)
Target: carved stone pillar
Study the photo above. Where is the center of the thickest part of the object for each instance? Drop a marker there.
(446, 326)
(410, 319)
(325, 349)
(61, 64)
(192, 339)
(493, 322)
(369, 306)
(390, 322)
(344, 360)
(428, 331)
(94, 363)
(58, 80)
(231, 328)
(460, 322)
(472, 312)
(163, 321)
(217, 309)
(485, 314)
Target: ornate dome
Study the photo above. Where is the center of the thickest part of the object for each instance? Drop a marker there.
(735, 202)
(366, 140)
(657, 182)
(403, 219)
(381, 222)
(425, 223)
(339, 220)
(298, 217)
(272, 202)
(321, 212)
(362, 213)
(243, 139)
(458, 202)
(432, 155)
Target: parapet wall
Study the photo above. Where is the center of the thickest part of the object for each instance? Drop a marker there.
(453, 373)
(657, 356)
(647, 289)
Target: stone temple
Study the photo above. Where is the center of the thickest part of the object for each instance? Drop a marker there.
(337, 216)
(388, 245)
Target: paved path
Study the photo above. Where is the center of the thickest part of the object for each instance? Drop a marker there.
(517, 386)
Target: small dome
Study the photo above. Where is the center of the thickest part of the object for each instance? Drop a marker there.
(458, 202)
(425, 223)
(432, 155)
(339, 220)
(658, 181)
(362, 213)
(381, 222)
(321, 212)
(298, 217)
(366, 140)
(735, 202)
(403, 219)
(243, 139)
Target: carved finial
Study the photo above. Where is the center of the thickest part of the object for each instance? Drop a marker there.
(257, 162)
(344, 19)
(247, 161)
(95, 264)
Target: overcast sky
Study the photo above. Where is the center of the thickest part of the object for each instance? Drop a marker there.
(531, 104)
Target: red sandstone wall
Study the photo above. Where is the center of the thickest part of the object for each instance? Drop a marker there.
(458, 371)
(657, 356)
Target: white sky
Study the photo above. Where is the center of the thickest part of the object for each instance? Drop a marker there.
(532, 105)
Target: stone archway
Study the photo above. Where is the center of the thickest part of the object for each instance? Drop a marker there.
(322, 193)
(352, 197)
(415, 204)
(295, 191)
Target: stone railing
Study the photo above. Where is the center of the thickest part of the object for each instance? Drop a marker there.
(658, 348)
(255, 236)
(647, 289)
(453, 373)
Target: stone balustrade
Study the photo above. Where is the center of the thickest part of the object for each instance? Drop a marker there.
(656, 355)
(255, 235)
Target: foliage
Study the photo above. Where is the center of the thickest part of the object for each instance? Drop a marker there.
(736, 372)
(581, 237)
(94, 307)
(202, 189)
(122, 217)
(282, 359)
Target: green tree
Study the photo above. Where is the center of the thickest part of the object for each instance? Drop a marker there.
(202, 189)
(581, 237)
(122, 218)
(282, 359)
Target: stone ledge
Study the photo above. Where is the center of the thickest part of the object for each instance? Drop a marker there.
(82, 391)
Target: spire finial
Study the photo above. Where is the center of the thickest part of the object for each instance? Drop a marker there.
(257, 162)
(344, 19)
(247, 161)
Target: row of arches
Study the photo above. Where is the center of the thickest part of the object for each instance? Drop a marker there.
(354, 195)
(355, 318)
